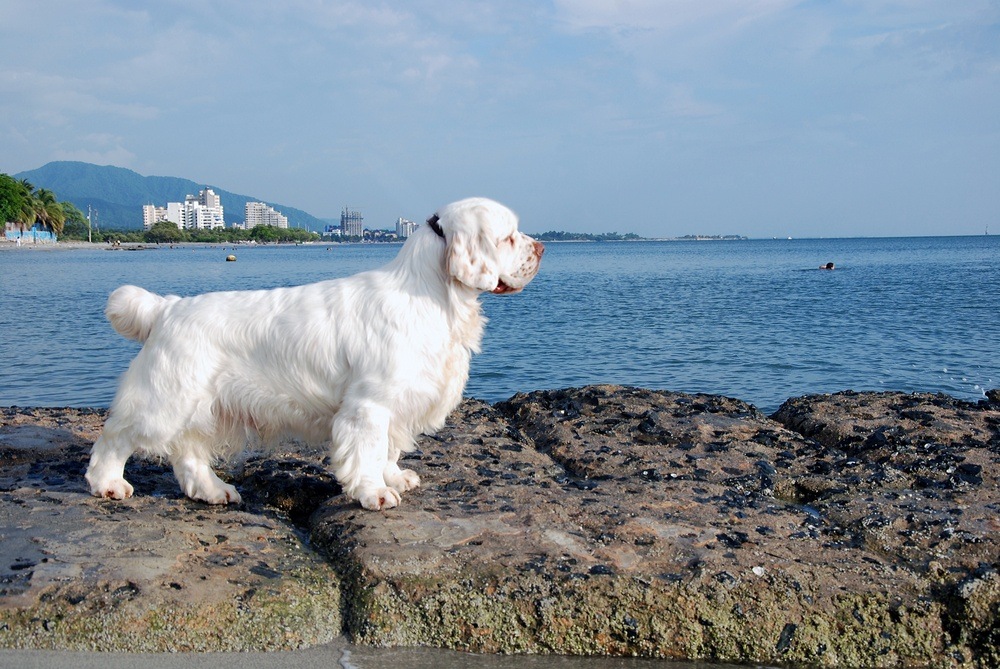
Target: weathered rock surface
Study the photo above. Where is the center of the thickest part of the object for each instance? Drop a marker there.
(152, 573)
(857, 529)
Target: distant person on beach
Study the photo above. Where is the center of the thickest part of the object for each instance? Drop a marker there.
(829, 265)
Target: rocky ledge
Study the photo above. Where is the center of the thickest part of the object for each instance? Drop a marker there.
(855, 529)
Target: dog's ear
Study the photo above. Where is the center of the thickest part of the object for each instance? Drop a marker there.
(472, 253)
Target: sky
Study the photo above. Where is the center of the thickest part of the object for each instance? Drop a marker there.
(765, 118)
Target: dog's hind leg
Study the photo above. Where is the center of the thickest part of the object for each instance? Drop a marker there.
(191, 462)
(360, 450)
(400, 479)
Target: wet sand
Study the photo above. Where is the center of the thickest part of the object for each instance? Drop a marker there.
(339, 654)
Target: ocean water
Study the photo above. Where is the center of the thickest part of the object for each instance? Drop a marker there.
(749, 319)
(752, 319)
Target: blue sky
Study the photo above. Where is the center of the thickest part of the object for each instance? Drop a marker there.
(671, 117)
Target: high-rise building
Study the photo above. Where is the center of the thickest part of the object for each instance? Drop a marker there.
(405, 228)
(204, 211)
(352, 223)
(260, 213)
(151, 215)
(175, 213)
(208, 198)
(195, 213)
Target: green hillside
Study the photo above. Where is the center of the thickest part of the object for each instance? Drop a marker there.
(118, 194)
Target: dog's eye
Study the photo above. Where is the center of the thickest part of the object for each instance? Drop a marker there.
(510, 240)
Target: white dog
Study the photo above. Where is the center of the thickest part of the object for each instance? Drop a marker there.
(365, 363)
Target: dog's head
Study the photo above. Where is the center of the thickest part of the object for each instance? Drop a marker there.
(485, 251)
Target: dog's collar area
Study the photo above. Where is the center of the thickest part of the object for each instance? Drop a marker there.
(433, 224)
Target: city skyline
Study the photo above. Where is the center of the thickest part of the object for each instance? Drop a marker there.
(762, 118)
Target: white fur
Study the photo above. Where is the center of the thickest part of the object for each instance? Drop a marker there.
(364, 363)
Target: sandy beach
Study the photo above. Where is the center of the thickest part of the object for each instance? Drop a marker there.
(25, 247)
(7, 245)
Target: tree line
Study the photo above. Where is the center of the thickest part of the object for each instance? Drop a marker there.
(558, 236)
(166, 232)
(23, 206)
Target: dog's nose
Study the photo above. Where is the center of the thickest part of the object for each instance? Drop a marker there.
(539, 249)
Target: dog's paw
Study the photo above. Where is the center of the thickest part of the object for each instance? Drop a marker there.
(378, 499)
(211, 490)
(112, 489)
(225, 494)
(221, 493)
(403, 480)
(199, 482)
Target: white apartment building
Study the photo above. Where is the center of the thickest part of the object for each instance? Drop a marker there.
(152, 214)
(175, 214)
(259, 213)
(203, 211)
(405, 228)
(207, 198)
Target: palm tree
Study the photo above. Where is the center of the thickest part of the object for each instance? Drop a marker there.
(48, 211)
(22, 206)
(26, 216)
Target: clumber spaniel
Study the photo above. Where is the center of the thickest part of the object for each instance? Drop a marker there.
(365, 363)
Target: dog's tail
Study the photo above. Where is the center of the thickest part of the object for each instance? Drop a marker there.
(134, 311)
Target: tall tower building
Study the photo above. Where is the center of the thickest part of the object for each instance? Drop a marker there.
(203, 211)
(208, 198)
(352, 223)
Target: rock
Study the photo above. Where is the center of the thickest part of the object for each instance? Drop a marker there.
(915, 478)
(914, 475)
(597, 520)
(153, 573)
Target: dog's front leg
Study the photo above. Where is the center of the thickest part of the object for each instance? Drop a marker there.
(360, 452)
(106, 471)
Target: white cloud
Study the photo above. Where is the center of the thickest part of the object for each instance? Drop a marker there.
(100, 149)
(56, 99)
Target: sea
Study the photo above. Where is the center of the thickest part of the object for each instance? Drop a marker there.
(751, 319)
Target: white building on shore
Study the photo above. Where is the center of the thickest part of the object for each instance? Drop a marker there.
(405, 228)
(352, 223)
(151, 214)
(260, 213)
(201, 212)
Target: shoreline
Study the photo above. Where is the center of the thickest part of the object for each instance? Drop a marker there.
(74, 245)
(8, 245)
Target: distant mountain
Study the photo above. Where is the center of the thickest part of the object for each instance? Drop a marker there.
(118, 194)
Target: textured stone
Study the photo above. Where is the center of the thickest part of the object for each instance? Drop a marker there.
(153, 573)
(857, 529)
